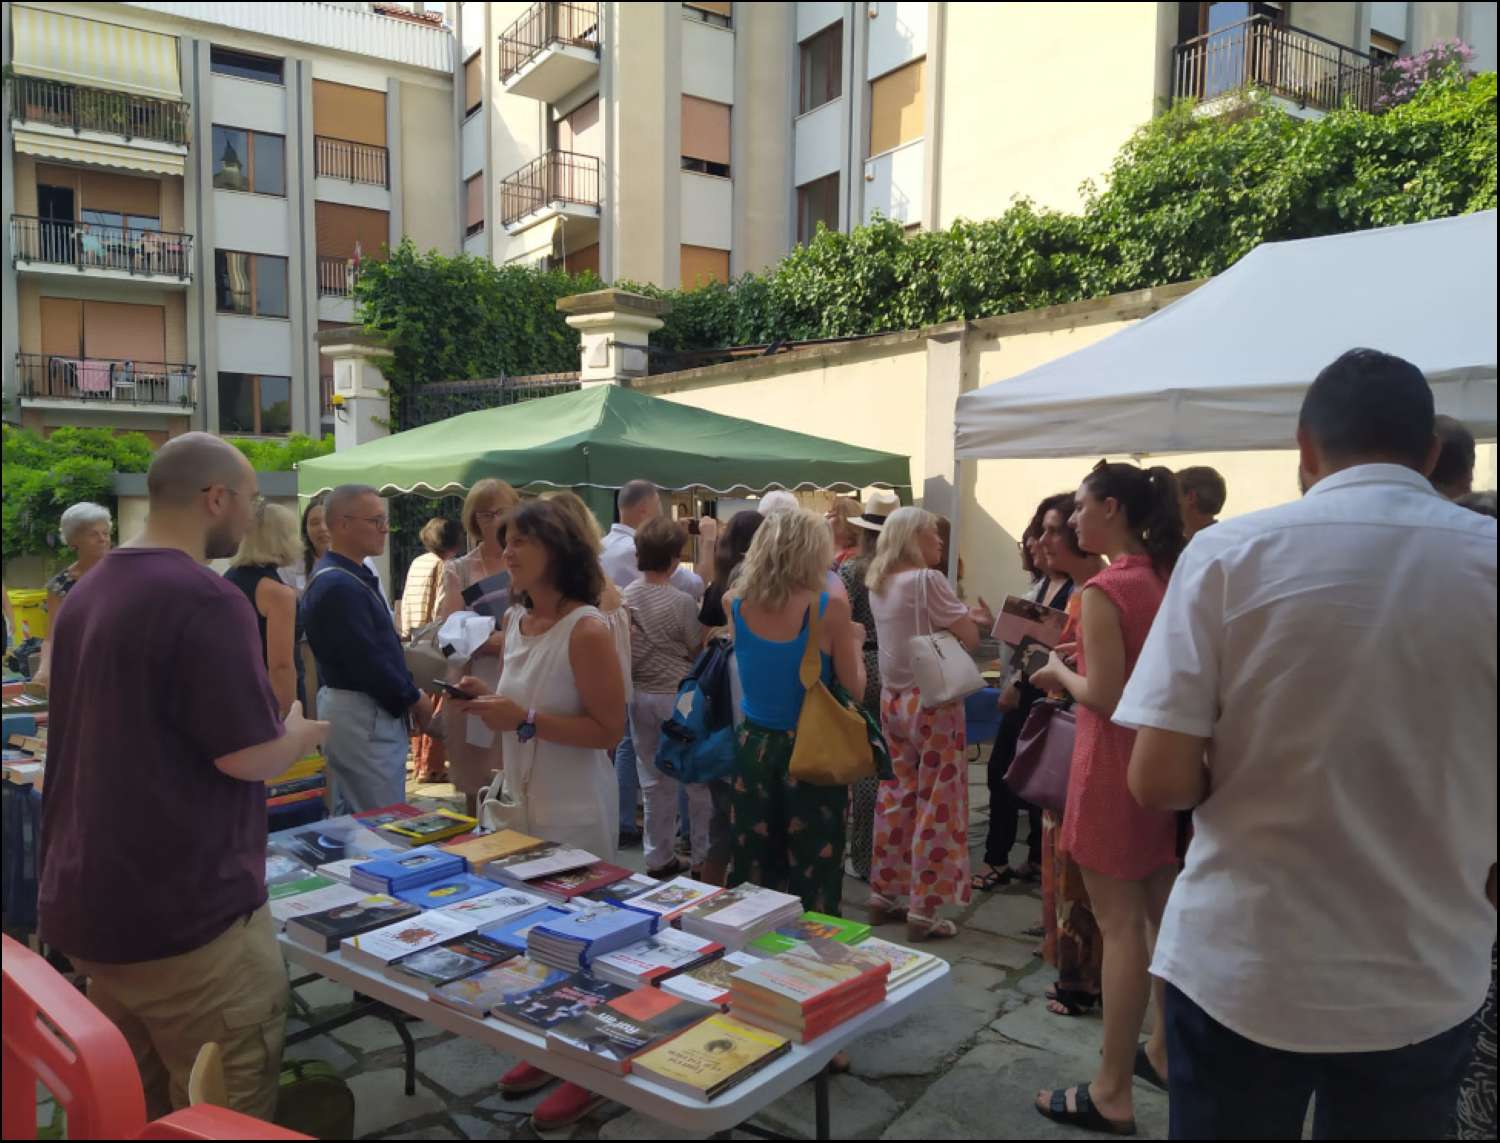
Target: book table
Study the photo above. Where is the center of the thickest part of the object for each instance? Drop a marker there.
(729, 1111)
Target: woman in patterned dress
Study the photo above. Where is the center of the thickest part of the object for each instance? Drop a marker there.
(1128, 854)
(921, 851)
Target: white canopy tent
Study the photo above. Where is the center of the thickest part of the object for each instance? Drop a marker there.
(1226, 367)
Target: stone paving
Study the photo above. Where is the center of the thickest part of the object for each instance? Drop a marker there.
(965, 1067)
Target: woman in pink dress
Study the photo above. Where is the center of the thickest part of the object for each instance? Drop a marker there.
(1128, 854)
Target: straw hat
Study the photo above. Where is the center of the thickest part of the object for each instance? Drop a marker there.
(878, 505)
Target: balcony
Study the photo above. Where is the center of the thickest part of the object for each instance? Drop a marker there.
(558, 183)
(550, 50)
(74, 123)
(352, 162)
(336, 277)
(1303, 68)
(46, 246)
(153, 386)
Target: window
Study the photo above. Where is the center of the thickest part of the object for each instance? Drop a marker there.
(255, 403)
(252, 284)
(817, 201)
(243, 65)
(249, 161)
(474, 204)
(822, 68)
(719, 14)
(705, 136)
(473, 83)
(1384, 49)
(702, 264)
(896, 108)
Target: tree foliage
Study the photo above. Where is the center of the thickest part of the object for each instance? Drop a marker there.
(281, 455)
(452, 318)
(1187, 196)
(44, 476)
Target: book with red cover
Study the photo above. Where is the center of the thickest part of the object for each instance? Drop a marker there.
(809, 1027)
(814, 975)
(374, 819)
(577, 882)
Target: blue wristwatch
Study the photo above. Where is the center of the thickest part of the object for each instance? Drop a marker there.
(527, 730)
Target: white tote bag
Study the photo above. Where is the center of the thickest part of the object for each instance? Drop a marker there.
(944, 671)
(502, 805)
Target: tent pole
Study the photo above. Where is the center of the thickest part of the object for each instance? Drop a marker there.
(954, 530)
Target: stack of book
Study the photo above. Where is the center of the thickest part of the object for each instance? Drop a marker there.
(405, 870)
(446, 891)
(671, 899)
(711, 1057)
(311, 894)
(808, 927)
(548, 860)
(655, 959)
(382, 947)
(708, 983)
(495, 986)
(906, 964)
(452, 960)
(327, 929)
(427, 829)
(565, 887)
(480, 851)
(576, 940)
(809, 989)
(304, 781)
(611, 1034)
(738, 916)
(516, 932)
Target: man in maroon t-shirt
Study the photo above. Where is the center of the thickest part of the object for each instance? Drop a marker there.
(153, 844)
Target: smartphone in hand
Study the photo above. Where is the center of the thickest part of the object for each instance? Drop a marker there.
(452, 691)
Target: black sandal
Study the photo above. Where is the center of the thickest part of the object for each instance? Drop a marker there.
(1146, 1070)
(989, 882)
(1087, 1116)
(1072, 1001)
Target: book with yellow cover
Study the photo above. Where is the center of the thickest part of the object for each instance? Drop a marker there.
(302, 768)
(480, 851)
(429, 828)
(711, 1057)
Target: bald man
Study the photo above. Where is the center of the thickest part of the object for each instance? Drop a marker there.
(153, 844)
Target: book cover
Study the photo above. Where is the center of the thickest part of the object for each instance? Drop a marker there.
(429, 828)
(284, 909)
(609, 1034)
(1027, 632)
(510, 980)
(814, 973)
(514, 933)
(451, 960)
(711, 1057)
(326, 929)
(392, 942)
(807, 927)
(280, 867)
(446, 891)
(403, 870)
(906, 964)
(480, 851)
(305, 884)
(550, 859)
(674, 897)
(596, 927)
(489, 596)
(622, 891)
(497, 907)
(551, 1005)
(709, 983)
(655, 958)
(742, 907)
(577, 882)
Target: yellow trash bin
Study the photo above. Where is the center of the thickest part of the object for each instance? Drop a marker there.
(30, 607)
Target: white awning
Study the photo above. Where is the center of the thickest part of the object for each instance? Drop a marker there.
(69, 148)
(92, 53)
(1226, 366)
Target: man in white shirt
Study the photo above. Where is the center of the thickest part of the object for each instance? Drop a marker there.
(1320, 684)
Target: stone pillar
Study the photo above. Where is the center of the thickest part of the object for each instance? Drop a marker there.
(361, 398)
(616, 326)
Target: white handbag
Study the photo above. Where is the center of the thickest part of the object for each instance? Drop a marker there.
(943, 669)
(502, 807)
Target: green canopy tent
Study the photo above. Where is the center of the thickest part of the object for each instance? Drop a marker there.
(597, 439)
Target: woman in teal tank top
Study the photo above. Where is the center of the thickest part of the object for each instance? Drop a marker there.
(787, 836)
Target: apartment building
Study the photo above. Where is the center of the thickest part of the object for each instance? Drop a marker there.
(675, 143)
(189, 189)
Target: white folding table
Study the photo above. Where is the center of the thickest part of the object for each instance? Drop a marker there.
(729, 1111)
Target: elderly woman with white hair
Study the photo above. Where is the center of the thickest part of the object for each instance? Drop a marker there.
(86, 528)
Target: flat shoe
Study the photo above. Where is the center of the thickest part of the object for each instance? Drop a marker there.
(1087, 1116)
(1146, 1070)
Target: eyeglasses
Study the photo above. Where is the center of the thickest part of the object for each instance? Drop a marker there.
(490, 514)
(257, 502)
(383, 523)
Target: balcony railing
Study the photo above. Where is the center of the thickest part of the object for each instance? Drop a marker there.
(109, 381)
(336, 277)
(91, 246)
(1306, 68)
(80, 108)
(557, 177)
(356, 162)
(572, 25)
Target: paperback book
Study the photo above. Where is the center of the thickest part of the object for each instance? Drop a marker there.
(654, 959)
(622, 891)
(575, 940)
(428, 828)
(711, 1057)
(807, 927)
(906, 964)
(450, 961)
(508, 981)
(496, 907)
(380, 947)
(815, 974)
(544, 1009)
(406, 870)
(709, 983)
(547, 861)
(740, 915)
(611, 1034)
(515, 932)
(327, 929)
(576, 882)
(447, 891)
(671, 899)
(319, 898)
(480, 851)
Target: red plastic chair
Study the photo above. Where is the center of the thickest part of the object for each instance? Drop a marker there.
(51, 1034)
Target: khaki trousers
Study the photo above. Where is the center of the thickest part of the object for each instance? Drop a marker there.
(232, 991)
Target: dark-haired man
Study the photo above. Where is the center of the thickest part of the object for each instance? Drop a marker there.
(1320, 684)
(1453, 474)
(1201, 493)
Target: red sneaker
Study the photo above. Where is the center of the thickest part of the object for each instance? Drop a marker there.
(564, 1107)
(524, 1079)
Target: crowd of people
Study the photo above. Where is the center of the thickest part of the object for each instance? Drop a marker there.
(1279, 815)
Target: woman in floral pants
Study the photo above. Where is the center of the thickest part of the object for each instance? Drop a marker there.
(921, 853)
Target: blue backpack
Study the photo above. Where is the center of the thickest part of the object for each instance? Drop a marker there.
(698, 741)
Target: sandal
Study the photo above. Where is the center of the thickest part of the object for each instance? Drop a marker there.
(1084, 1115)
(989, 882)
(1146, 1070)
(1070, 1001)
(929, 928)
(883, 912)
